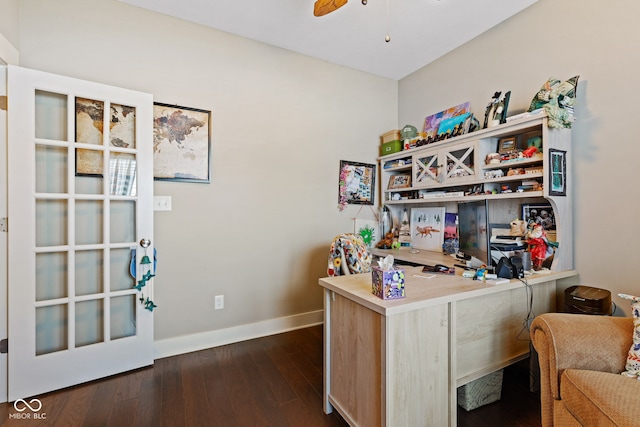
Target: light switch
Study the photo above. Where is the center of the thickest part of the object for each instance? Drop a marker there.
(161, 203)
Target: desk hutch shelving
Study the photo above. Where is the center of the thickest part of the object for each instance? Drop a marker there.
(455, 170)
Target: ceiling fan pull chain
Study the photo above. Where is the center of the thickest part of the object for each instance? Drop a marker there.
(388, 37)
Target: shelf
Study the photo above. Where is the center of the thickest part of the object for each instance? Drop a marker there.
(499, 196)
(434, 171)
(512, 178)
(510, 128)
(398, 168)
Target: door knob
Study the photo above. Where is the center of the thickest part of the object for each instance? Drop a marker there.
(145, 243)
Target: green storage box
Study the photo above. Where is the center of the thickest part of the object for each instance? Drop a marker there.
(390, 147)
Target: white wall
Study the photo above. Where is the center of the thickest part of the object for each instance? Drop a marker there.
(562, 38)
(260, 232)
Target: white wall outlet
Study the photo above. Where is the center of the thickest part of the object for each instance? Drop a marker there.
(161, 203)
(219, 302)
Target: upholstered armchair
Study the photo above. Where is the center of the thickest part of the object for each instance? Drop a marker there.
(581, 358)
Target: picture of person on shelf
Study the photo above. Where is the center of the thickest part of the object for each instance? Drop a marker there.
(546, 220)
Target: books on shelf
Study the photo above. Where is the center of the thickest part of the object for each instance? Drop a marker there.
(440, 194)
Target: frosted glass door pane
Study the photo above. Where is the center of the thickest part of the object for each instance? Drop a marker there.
(89, 221)
(89, 272)
(51, 116)
(120, 276)
(89, 322)
(51, 329)
(51, 223)
(89, 184)
(51, 169)
(123, 316)
(51, 275)
(123, 221)
(122, 174)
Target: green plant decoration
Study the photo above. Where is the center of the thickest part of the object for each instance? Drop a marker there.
(367, 233)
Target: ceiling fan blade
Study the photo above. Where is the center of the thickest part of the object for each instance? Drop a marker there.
(322, 7)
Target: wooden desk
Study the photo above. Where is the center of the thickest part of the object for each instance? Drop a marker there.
(399, 362)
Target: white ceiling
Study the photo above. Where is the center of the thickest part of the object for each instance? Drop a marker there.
(421, 31)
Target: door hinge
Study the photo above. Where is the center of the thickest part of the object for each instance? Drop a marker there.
(4, 225)
(4, 346)
(3, 102)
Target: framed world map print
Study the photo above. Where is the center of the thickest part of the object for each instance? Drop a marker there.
(181, 143)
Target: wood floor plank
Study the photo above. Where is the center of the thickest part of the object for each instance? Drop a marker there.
(304, 410)
(148, 411)
(245, 408)
(263, 397)
(101, 404)
(270, 374)
(196, 404)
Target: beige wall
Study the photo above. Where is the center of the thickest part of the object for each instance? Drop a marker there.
(282, 122)
(9, 21)
(260, 232)
(562, 38)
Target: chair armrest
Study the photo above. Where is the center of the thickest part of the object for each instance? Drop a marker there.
(580, 341)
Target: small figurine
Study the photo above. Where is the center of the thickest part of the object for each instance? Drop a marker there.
(539, 246)
(529, 152)
(386, 242)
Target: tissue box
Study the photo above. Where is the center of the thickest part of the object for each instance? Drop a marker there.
(388, 284)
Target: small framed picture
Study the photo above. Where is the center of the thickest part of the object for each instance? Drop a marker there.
(399, 181)
(506, 145)
(539, 213)
(557, 172)
(530, 139)
(356, 184)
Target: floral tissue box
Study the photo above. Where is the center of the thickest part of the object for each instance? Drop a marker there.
(388, 284)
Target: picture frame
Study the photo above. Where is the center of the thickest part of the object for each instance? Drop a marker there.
(530, 139)
(539, 213)
(181, 143)
(399, 181)
(557, 172)
(507, 145)
(356, 184)
(427, 228)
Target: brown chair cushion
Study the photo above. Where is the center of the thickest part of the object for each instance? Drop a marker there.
(601, 398)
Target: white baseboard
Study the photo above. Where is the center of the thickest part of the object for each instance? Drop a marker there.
(201, 341)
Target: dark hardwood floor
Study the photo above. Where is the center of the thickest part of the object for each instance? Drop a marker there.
(272, 381)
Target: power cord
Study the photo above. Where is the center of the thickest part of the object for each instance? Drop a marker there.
(526, 324)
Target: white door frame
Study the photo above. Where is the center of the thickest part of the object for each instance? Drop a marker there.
(8, 56)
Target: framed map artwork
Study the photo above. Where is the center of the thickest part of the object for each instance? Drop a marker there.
(181, 143)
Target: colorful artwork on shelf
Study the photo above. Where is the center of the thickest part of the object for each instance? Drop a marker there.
(432, 122)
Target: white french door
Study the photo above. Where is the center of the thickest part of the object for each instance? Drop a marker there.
(80, 193)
